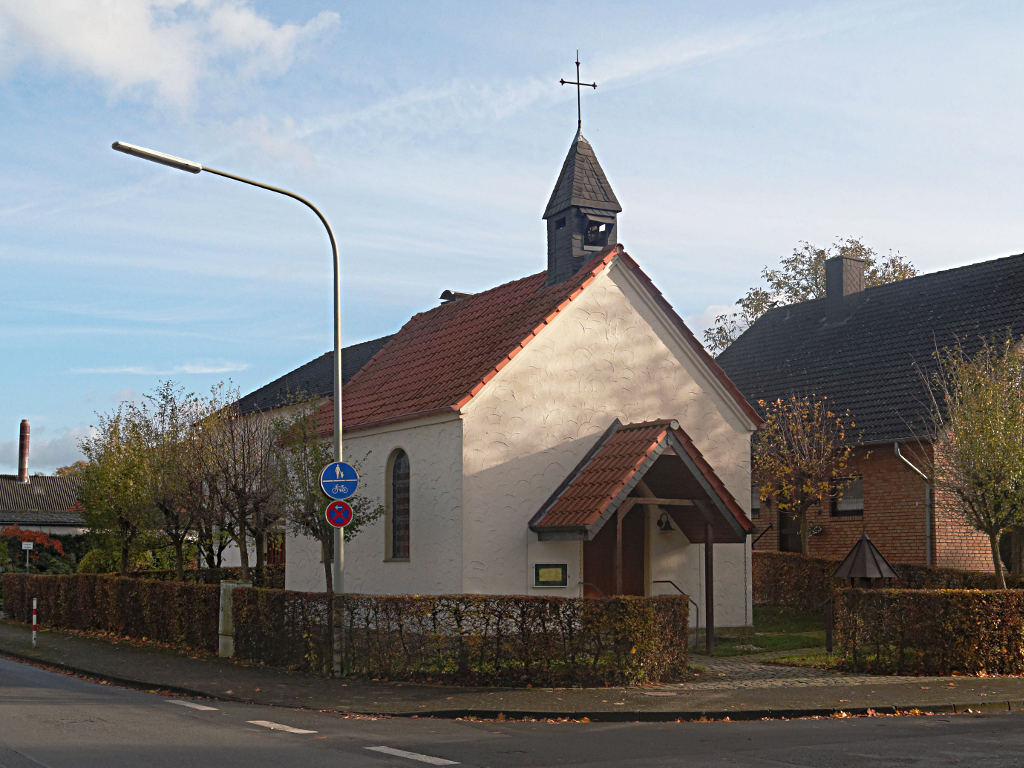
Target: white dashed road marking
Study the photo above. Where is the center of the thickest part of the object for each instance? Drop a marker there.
(278, 726)
(191, 705)
(413, 756)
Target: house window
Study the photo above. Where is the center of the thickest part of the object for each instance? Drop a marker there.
(755, 503)
(398, 506)
(851, 503)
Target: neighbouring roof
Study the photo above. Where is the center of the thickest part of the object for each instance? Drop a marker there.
(625, 455)
(442, 358)
(314, 379)
(44, 500)
(582, 182)
(875, 357)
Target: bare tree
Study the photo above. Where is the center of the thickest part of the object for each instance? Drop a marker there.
(244, 481)
(304, 453)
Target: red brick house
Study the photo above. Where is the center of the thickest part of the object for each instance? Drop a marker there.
(871, 350)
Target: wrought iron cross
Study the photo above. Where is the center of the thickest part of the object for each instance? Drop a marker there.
(577, 83)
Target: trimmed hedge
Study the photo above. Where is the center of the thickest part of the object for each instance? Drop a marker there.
(470, 639)
(792, 580)
(281, 628)
(274, 576)
(178, 614)
(930, 632)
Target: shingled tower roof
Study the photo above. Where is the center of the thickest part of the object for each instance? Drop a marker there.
(582, 182)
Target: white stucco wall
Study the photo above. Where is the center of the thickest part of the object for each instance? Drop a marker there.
(609, 354)
(434, 447)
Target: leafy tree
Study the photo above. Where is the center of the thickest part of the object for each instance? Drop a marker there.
(115, 489)
(799, 454)
(167, 422)
(801, 277)
(977, 435)
(71, 469)
(303, 454)
(46, 556)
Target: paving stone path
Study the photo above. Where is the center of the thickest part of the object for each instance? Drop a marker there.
(752, 671)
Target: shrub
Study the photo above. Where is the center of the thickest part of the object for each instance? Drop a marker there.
(98, 561)
(930, 632)
(470, 639)
(793, 580)
(178, 614)
(282, 628)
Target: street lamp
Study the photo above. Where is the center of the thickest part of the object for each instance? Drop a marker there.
(193, 167)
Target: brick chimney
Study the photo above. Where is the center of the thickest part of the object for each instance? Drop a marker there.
(844, 276)
(23, 453)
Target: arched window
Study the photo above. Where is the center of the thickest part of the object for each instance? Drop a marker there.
(398, 506)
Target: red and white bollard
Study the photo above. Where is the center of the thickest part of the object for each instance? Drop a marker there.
(35, 619)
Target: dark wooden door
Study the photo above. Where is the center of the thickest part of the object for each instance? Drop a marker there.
(599, 558)
(789, 532)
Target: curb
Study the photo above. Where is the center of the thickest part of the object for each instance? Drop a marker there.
(600, 716)
(113, 679)
(642, 716)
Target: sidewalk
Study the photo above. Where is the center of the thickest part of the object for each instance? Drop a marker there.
(739, 688)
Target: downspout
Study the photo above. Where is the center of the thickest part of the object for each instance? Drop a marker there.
(927, 503)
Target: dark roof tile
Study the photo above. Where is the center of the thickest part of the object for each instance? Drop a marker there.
(44, 500)
(876, 356)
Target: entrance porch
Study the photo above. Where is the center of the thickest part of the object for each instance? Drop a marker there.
(641, 498)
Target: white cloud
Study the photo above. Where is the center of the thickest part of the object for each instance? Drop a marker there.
(203, 367)
(700, 322)
(44, 454)
(166, 45)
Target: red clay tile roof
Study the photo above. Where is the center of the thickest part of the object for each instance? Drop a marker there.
(442, 358)
(615, 466)
(602, 478)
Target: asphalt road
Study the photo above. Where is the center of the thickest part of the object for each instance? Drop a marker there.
(57, 721)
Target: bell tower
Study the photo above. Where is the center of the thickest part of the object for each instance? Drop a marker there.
(581, 214)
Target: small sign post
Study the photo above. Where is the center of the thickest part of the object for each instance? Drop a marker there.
(27, 546)
(339, 480)
(338, 514)
(35, 619)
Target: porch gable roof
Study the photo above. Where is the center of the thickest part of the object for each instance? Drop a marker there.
(610, 471)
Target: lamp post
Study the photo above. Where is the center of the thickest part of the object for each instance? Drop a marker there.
(193, 167)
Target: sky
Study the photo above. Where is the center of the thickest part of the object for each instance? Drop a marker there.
(431, 135)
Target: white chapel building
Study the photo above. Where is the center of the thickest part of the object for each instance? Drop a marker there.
(561, 434)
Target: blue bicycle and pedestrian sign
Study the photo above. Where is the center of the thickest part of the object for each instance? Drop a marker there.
(338, 514)
(339, 480)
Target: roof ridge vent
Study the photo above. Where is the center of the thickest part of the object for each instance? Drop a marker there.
(450, 296)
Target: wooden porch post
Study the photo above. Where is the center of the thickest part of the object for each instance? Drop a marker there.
(709, 587)
(618, 551)
(620, 513)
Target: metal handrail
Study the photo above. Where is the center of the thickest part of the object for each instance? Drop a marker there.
(762, 533)
(696, 608)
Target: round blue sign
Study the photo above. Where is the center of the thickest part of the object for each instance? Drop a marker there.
(339, 480)
(339, 514)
